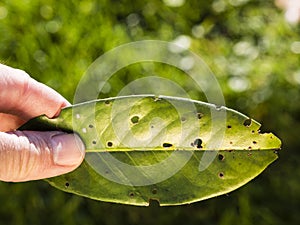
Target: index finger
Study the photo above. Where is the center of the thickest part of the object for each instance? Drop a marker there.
(26, 98)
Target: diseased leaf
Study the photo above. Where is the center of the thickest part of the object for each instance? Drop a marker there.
(172, 150)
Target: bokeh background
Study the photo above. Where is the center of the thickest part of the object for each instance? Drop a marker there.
(253, 49)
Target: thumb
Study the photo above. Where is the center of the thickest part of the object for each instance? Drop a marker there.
(32, 155)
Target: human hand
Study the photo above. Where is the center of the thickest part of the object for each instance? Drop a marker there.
(32, 155)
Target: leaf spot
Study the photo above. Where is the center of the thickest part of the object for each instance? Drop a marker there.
(247, 122)
(167, 145)
(183, 119)
(135, 119)
(94, 142)
(107, 102)
(91, 126)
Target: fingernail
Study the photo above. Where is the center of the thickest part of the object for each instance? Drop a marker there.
(68, 149)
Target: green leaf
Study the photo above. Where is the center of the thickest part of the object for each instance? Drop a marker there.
(172, 150)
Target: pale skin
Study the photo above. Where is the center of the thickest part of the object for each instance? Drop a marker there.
(32, 155)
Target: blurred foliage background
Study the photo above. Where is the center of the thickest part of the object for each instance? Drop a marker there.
(251, 46)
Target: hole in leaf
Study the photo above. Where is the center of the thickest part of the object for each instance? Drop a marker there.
(67, 184)
(247, 122)
(229, 126)
(154, 202)
(183, 119)
(221, 174)
(199, 115)
(218, 107)
(197, 143)
(94, 142)
(253, 131)
(249, 147)
(167, 145)
(84, 130)
(154, 191)
(109, 144)
(156, 98)
(131, 194)
(135, 119)
(107, 102)
(221, 157)
(91, 126)
(254, 142)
